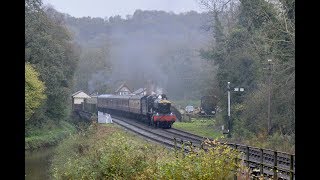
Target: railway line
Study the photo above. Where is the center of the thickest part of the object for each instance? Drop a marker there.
(138, 128)
(262, 161)
(145, 133)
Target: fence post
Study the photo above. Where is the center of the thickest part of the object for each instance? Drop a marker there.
(291, 167)
(236, 159)
(175, 147)
(275, 173)
(182, 147)
(261, 159)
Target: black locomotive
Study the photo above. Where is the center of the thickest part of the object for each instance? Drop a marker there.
(152, 109)
(208, 105)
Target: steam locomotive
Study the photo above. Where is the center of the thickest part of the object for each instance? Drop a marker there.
(152, 109)
(208, 105)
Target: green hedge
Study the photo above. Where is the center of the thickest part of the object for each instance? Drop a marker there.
(45, 137)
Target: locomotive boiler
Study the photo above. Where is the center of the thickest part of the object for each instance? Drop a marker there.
(152, 109)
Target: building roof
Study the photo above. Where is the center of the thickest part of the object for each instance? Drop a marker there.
(111, 96)
(121, 86)
(104, 95)
(138, 91)
(80, 94)
(76, 93)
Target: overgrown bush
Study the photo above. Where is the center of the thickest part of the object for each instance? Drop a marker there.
(217, 163)
(107, 153)
(102, 155)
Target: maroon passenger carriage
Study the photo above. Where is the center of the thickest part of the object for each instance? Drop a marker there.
(152, 109)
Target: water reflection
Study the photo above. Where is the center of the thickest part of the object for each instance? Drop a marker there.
(37, 163)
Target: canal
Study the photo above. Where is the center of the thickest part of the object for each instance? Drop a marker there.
(37, 163)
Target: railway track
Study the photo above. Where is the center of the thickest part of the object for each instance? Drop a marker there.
(146, 134)
(266, 161)
(251, 155)
(150, 135)
(162, 132)
(178, 132)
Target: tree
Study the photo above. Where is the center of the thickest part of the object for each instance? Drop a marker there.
(262, 30)
(34, 91)
(92, 61)
(49, 48)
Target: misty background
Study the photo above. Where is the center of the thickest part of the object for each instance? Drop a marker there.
(147, 46)
(108, 8)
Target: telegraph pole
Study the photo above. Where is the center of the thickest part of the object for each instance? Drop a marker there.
(269, 95)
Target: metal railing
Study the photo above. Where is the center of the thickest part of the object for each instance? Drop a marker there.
(279, 165)
(266, 162)
(84, 114)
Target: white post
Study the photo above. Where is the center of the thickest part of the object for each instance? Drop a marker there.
(229, 99)
(229, 119)
(269, 95)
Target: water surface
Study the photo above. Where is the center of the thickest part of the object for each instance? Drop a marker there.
(37, 163)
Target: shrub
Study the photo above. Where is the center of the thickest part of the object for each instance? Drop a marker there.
(107, 153)
(218, 162)
(111, 155)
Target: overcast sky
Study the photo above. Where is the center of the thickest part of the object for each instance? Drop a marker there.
(107, 8)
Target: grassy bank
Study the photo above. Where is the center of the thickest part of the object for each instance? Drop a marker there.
(276, 141)
(208, 128)
(48, 136)
(200, 126)
(108, 152)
